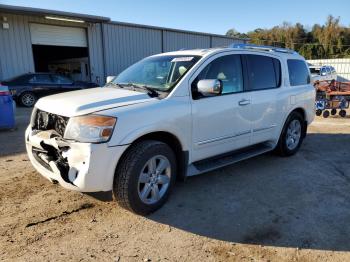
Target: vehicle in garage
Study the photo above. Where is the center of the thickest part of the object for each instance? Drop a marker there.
(169, 116)
(27, 88)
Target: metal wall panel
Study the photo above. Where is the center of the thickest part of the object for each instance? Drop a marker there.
(341, 65)
(96, 54)
(224, 41)
(124, 45)
(173, 41)
(16, 55)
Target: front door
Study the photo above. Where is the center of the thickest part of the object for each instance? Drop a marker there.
(220, 123)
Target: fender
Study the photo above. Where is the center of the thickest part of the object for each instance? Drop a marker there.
(136, 134)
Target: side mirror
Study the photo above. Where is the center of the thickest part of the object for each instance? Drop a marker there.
(210, 87)
(109, 79)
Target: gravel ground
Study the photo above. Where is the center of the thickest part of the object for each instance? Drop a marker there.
(263, 209)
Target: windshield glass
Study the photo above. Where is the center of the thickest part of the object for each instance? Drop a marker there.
(160, 72)
(314, 70)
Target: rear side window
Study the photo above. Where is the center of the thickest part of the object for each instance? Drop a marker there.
(40, 79)
(264, 72)
(298, 72)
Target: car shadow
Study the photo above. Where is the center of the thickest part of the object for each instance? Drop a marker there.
(302, 201)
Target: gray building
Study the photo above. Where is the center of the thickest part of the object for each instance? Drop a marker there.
(84, 46)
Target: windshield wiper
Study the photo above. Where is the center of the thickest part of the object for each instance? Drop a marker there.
(150, 91)
(114, 84)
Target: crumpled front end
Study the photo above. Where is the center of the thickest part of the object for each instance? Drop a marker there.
(84, 167)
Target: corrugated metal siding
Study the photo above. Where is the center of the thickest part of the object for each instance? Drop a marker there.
(16, 55)
(124, 45)
(175, 41)
(96, 56)
(224, 41)
(341, 65)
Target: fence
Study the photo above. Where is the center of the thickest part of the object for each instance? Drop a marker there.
(341, 65)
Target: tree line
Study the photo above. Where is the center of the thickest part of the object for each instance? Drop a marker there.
(330, 40)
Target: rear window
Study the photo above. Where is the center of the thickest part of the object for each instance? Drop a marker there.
(298, 72)
(264, 72)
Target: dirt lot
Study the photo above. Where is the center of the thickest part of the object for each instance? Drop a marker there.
(263, 209)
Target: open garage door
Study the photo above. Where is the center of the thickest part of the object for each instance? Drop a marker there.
(58, 35)
(61, 49)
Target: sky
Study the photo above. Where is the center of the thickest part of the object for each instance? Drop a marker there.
(215, 16)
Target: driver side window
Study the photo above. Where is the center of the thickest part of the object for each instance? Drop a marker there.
(228, 69)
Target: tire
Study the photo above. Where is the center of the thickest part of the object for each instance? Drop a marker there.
(333, 111)
(342, 113)
(325, 114)
(135, 190)
(284, 147)
(318, 112)
(27, 99)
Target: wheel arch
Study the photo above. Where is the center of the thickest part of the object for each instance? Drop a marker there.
(182, 156)
(302, 112)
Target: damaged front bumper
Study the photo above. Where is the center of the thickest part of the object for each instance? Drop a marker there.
(83, 167)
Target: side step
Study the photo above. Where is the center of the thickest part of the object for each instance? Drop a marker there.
(213, 163)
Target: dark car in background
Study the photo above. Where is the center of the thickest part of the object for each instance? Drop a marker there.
(28, 88)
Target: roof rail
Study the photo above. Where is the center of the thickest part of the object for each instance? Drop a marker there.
(263, 48)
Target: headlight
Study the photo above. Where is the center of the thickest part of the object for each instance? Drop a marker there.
(90, 128)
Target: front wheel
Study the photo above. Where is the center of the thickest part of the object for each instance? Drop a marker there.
(145, 177)
(291, 136)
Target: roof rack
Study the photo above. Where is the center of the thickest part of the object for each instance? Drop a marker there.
(263, 48)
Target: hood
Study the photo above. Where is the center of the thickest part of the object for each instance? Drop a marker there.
(87, 101)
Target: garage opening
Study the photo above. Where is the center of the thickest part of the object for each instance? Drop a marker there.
(61, 49)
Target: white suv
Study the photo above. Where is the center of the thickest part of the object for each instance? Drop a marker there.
(172, 115)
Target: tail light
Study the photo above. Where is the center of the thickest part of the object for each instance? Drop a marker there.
(4, 90)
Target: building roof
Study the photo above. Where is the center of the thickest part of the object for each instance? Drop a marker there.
(43, 12)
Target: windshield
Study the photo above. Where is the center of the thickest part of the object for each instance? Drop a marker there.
(160, 73)
(314, 70)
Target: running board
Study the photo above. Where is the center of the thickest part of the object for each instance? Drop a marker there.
(210, 164)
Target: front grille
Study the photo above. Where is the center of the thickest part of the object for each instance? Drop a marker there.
(48, 121)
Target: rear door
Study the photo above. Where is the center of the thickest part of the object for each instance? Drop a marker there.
(264, 74)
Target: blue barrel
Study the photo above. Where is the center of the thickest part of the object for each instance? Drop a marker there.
(7, 110)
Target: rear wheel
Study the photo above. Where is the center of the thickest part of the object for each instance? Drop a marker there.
(291, 136)
(27, 99)
(145, 177)
(333, 111)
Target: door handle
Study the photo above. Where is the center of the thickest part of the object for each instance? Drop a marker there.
(244, 102)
